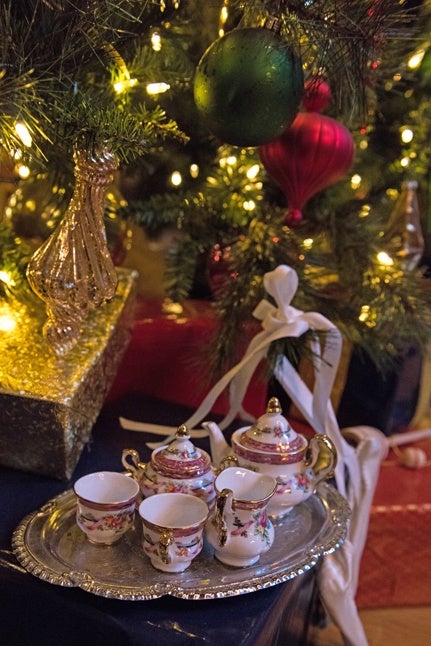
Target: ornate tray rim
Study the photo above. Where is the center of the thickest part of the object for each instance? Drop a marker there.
(336, 511)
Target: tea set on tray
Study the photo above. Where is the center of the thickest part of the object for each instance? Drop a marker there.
(185, 495)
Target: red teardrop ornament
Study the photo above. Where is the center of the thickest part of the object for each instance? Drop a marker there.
(313, 153)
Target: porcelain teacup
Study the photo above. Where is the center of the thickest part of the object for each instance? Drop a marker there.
(106, 504)
(173, 525)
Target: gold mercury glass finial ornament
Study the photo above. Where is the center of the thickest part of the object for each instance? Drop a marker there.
(404, 227)
(73, 272)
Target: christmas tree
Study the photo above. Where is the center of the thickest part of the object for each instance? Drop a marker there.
(133, 77)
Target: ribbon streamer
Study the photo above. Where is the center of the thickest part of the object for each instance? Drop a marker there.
(278, 321)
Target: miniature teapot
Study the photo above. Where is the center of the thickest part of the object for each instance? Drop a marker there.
(271, 446)
(178, 467)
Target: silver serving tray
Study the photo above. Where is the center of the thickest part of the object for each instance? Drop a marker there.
(49, 545)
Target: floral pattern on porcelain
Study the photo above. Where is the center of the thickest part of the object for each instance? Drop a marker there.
(182, 550)
(300, 481)
(259, 522)
(102, 527)
(179, 467)
(151, 483)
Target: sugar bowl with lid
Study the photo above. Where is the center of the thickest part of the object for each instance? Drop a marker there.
(271, 446)
(178, 467)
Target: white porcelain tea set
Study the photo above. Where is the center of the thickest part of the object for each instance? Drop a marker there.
(233, 500)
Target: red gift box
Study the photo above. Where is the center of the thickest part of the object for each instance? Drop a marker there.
(169, 357)
(396, 562)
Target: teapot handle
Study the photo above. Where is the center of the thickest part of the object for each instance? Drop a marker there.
(218, 518)
(227, 461)
(131, 462)
(321, 457)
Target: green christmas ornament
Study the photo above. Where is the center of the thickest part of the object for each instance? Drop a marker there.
(248, 86)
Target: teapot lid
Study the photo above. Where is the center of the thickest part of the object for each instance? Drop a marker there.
(272, 432)
(181, 459)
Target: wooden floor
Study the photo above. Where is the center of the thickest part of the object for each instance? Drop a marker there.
(384, 627)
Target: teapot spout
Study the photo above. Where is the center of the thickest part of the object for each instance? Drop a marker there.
(220, 449)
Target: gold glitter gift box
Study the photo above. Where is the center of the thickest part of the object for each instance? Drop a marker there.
(49, 404)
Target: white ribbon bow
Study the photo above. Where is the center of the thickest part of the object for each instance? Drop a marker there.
(278, 321)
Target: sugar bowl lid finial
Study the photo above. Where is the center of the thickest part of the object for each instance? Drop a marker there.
(182, 431)
(274, 406)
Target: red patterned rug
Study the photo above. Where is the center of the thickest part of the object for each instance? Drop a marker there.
(396, 563)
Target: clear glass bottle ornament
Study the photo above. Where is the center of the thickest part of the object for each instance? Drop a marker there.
(404, 228)
(72, 272)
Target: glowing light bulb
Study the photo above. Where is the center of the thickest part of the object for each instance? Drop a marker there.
(6, 278)
(23, 133)
(23, 172)
(385, 259)
(231, 160)
(308, 243)
(249, 205)
(405, 161)
(157, 88)
(365, 312)
(355, 181)
(416, 59)
(30, 205)
(253, 171)
(407, 135)
(365, 211)
(125, 84)
(194, 170)
(156, 42)
(176, 178)
(7, 323)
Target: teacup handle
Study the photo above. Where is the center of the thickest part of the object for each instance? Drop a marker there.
(131, 462)
(165, 541)
(219, 519)
(321, 457)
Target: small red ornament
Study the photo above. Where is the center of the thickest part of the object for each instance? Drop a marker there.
(317, 95)
(313, 153)
(217, 269)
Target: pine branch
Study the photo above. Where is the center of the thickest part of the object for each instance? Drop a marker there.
(50, 51)
(14, 257)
